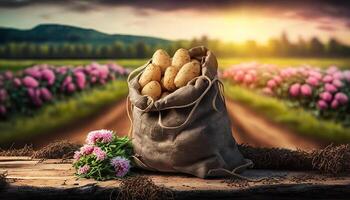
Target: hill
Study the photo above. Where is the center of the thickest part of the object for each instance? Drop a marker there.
(55, 33)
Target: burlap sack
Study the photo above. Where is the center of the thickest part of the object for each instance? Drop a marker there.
(189, 130)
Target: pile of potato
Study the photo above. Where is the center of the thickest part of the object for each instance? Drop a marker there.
(165, 75)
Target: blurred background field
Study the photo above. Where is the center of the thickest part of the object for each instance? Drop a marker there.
(285, 66)
(342, 63)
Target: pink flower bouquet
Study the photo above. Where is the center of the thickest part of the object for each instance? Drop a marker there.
(105, 156)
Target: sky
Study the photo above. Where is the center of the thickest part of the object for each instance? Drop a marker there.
(226, 20)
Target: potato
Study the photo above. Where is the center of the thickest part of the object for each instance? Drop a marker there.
(169, 77)
(162, 84)
(162, 59)
(195, 60)
(180, 58)
(151, 73)
(188, 72)
(152, 89)
(164, 94)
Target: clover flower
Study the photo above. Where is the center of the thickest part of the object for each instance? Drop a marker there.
(102, 135)
(121, 166)
(84, 169)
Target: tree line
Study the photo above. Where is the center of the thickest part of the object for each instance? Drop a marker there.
(277, 47)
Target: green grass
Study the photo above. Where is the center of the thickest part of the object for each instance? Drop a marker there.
(62, 113)
(297, 120)
(343, 63)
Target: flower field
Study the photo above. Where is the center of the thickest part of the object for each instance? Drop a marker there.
(27, 90)
(323, 93)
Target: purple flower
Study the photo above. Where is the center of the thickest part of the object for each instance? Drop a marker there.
(341, 98)
(335, 104)
(30, 82)
(330, 88)
(104, 136)
(294, 90)
(346, 75)
(49, 76)
(103, 72)
(2, 110)
(34, 95)
(84, 169)
(322, 105)
(80, 79)
(45, 94)
(99, 153)
(306, 90)
(121, 166)
(86, 150)
(312, 81)
(326, 96)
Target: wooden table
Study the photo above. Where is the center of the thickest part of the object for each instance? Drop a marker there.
(54, 179)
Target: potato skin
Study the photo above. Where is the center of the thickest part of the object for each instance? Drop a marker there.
(188, 72)
(151, 73)
(162, 59)
(152, 89)
(169, 77)
(180, 58)
(196, 61)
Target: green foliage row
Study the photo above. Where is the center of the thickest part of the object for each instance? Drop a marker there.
(63, 112)
(295, 119)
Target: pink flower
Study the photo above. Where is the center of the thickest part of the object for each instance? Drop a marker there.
(84, 169)
(346, 75)
(337, 83)
(8, 75)
(335, 104)
(99, 153)
(80, 79)
(2, 110)
(271, 83)
(267, 91)
(248, 79)
(294, 90)
(86, 150)
(77, 155)
(341, 98)
(277, 79)
(326, 96)
(34, 95)
(104, 136)
(338, 75)
(239, 76)
(121, 166)
(306, 90)
(312, 81)
(45, 94)
(33, 71)
(332, 70)
(30, 82)
(17, 82)
(322, 105)
(330, 88)
(71, 87)
(327, 79)
(48, 75)
(3, 95)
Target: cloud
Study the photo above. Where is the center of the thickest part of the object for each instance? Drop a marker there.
(328, 28)
(304, 10)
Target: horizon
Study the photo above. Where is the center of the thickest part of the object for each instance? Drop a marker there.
(175, 20)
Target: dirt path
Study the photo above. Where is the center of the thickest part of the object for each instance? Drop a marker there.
(248, 127)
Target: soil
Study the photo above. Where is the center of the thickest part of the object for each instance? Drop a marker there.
(248, 127)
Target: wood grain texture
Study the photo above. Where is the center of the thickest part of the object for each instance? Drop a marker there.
(54, 179)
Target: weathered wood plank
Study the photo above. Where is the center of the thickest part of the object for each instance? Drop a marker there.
(36, 179)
